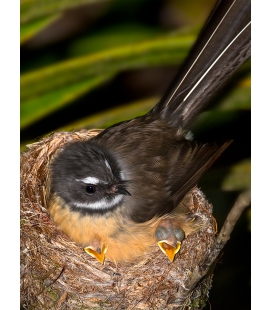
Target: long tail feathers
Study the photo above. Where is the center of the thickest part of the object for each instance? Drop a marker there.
(222, 46)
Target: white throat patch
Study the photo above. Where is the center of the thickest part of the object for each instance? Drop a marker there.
(102, 204)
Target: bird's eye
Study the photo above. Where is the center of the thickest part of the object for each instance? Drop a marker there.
(179, 234)
(90, 189)
(161, 233)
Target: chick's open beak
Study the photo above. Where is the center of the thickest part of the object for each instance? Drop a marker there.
(168, 249)
(98, 253)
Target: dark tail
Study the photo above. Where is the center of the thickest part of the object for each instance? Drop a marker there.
(222, 46)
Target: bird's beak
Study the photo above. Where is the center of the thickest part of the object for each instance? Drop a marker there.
(122, 191)
(169, 249)
(97, 253)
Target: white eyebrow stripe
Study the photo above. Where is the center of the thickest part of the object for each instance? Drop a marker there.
(102, 204)
(90, 180)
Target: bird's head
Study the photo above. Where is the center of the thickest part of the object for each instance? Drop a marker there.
(87, 177)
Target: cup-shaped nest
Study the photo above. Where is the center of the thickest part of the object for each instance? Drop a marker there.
(58, 274)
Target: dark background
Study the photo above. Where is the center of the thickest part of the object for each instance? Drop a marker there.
(56, 43)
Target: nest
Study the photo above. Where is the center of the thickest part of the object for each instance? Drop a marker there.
(58, 274)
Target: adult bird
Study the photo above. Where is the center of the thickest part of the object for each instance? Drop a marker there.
(127, 189)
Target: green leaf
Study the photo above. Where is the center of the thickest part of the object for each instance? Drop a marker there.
(34, 9)
(237, 177)
(30, 29)
(239, 97)
(167, 50)
(106, 118)
(39, 107)
(236, 99)
(111, 116)
(111, 37)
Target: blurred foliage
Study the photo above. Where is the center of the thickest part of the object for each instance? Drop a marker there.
(106, 43)
(34, 9)
(92, 63)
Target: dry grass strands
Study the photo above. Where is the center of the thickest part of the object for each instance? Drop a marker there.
(57, 274)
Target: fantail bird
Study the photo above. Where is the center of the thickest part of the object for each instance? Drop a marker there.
(127, 189)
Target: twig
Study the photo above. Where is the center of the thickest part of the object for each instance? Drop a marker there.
(239, 206)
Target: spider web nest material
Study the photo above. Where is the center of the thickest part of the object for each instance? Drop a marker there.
(58, 274)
